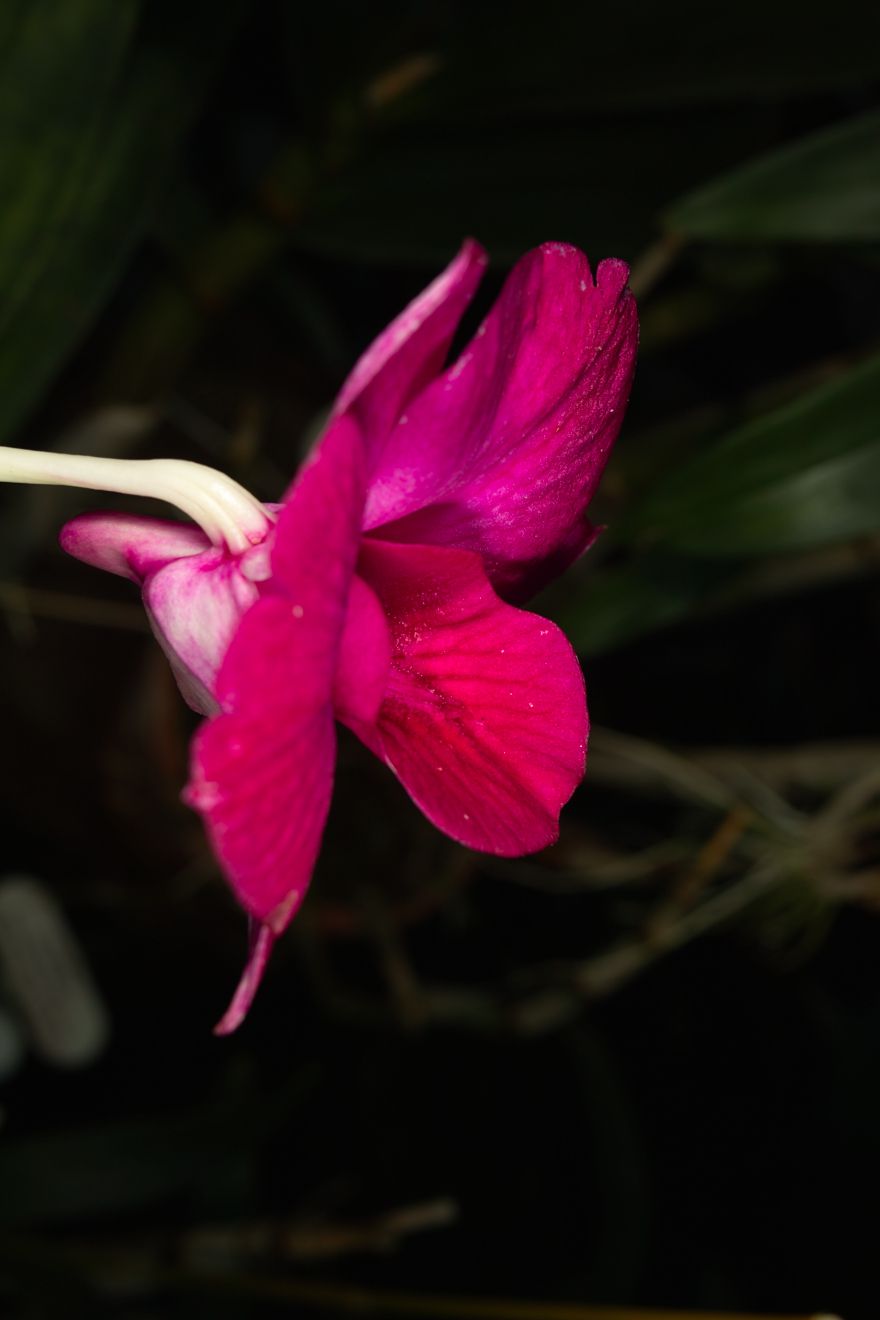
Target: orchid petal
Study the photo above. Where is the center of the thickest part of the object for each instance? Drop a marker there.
(194, 593)
(502, 453)
(129, 545)
(318, 533)
(485, 719)
(364, 659)
(262, 770)
(261, 942)
(195, 606)
(410, 352)
(262, 773)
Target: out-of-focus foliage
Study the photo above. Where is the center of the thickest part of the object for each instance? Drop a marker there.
(642, 1067)
(795, 478)
(93, 113)
(821, 189)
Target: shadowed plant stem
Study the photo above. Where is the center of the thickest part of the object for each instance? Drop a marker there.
(344, 1300)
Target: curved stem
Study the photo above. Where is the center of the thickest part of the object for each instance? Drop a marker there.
(225, 511)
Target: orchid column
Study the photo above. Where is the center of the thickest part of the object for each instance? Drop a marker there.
(225, 511)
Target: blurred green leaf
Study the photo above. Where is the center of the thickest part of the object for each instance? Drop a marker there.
(802, 476)
(623, 603)
(825, 188)
(90, 130)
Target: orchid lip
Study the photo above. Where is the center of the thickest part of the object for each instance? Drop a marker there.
(227, 513)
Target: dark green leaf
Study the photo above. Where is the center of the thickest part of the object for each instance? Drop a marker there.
(825, 188)
(623, 603)
(803, 476)
(90, 129)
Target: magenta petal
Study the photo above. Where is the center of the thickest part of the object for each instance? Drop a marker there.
(318, 531)
(485, 718)
(129, 545)
(364, 659)
(502, 454)
(262, 775)
(262, 771)
(410, 352)
(261, 943)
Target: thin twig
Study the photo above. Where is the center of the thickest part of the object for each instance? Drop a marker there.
(706, 865)
(394, 960)
(354, 1300)
(221, 1245)
(559, 990)
(34, 602)
(655, 261)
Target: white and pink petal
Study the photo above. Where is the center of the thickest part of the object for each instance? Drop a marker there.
(195, 607)
(130, 545)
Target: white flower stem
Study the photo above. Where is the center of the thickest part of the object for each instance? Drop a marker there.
(225, 511)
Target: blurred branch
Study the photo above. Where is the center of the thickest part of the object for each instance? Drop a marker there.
(786, 574)
(596, 978)
(401, 78)
(635, 764)
(707, 863)
(654, 263)
(33, 602)
(321, 1240)
(544, 997)
(760, 843)
(578, 862)
(364, 1301)
(135, 1265)
(86, 1265)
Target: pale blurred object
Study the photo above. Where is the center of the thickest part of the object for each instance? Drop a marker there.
(12, 1047)
(47, 977)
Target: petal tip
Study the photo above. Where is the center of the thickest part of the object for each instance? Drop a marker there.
(261, 941)
(473, 253)
(612, 276)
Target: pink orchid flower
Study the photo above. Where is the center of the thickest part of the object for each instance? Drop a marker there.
(378, 594)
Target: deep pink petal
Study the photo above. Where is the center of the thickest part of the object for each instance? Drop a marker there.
(364, 659)
(318, 531)
(129, 545)
(485, 718)
(502, 454)
(410, 352)
(262, 771)
(261, 942)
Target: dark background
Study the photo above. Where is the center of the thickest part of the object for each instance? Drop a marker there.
(640, 1069)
